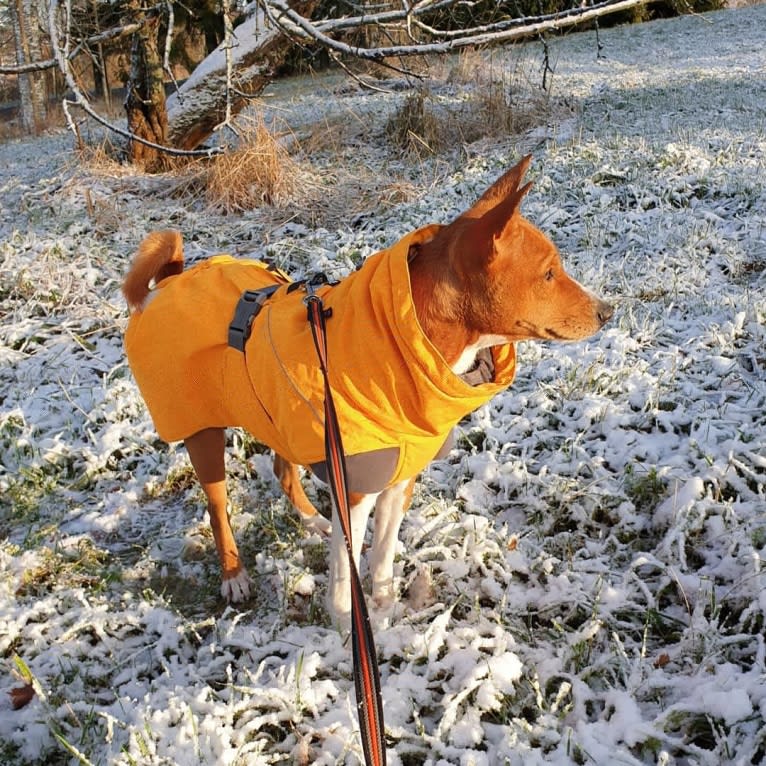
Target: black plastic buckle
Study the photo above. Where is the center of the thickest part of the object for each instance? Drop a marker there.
(248, 306)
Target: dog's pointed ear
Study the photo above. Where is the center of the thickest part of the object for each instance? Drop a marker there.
(503, 191)
(481, 228)
(500, 222)
(480, 240)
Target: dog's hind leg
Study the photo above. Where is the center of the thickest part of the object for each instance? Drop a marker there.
(290, 481)
(206, 450)
(389, 512)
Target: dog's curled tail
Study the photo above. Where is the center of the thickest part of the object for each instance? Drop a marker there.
(160, 255)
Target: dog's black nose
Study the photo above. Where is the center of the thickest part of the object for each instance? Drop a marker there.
(605, 311)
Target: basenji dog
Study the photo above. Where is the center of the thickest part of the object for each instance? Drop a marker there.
(418, 337)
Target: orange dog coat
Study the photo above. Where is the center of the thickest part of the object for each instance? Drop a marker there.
(391, 387)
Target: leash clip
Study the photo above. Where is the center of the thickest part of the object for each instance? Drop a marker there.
(310, 285)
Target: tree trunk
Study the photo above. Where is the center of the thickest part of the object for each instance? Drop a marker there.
(100, 69)
(33, 91)
(145, 101)
(200, 105)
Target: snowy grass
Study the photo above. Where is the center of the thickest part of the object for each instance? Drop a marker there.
(472, 96)
(582, 579)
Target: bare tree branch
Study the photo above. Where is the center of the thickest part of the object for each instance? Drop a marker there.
(37, 66)
(169, 32)
(228, 29)
(444, 41)
(246, 61)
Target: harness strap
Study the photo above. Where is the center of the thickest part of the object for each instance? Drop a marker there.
(251, 302)
(248, 306)
(369, 702)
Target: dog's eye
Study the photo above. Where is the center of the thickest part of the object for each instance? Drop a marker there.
(549, 275)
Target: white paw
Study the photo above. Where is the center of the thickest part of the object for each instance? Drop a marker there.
(237, 588)
(317, 524)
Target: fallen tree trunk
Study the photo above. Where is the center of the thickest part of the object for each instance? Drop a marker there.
(235, 72)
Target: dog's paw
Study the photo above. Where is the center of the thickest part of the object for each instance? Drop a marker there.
(236, 588)
(317, 524)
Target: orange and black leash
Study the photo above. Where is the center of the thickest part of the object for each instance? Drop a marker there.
(366, 675)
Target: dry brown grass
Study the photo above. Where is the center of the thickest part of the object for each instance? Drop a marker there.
(275, 174)
(262, 172)
(258, 172)
(416, 126)
(101, 160)
(321, 176)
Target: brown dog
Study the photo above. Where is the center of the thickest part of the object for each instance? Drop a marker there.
(418, 337)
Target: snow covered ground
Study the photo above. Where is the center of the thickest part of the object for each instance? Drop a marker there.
(583, 579)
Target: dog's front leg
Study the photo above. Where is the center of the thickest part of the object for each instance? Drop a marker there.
(389, 512)
(206, 450)
(339, 586)
(290, 480)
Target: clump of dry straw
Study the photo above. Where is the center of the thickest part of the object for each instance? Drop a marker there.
(258, 171)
